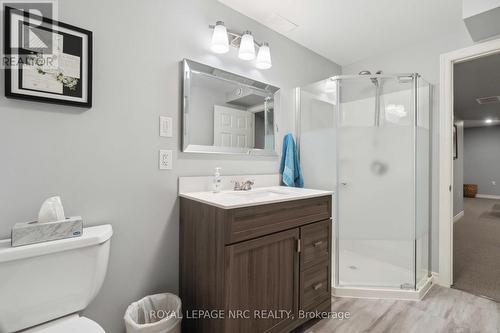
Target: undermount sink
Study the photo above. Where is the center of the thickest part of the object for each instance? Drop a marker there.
(260, 194)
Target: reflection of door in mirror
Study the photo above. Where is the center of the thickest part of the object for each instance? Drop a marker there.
(233, 127)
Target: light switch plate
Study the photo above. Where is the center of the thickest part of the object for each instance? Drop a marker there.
(165, 159)
(166, 126)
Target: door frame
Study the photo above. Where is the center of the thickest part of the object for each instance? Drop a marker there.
(447, 61)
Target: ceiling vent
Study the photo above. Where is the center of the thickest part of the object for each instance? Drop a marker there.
(279, 23)
(488, 100)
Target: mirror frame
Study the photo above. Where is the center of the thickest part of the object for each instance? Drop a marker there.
(188, 66)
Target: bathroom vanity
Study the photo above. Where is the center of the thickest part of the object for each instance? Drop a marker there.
(254, 261)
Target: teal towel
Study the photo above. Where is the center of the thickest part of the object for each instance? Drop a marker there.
(290, 164)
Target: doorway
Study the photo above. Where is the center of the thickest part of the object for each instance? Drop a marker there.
(448, 150)
(476, 171)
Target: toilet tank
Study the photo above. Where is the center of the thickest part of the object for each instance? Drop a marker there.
(45, 281)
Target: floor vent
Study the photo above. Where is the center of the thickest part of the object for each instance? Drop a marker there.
(488, 100)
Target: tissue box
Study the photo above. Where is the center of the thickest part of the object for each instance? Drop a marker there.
(34, 232)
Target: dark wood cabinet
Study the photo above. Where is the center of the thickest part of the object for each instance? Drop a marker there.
(263, 274)
(253, 269)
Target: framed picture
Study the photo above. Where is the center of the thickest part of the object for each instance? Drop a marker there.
(47, 61)
(455, 142)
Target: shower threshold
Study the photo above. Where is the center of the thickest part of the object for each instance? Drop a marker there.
(381, 293)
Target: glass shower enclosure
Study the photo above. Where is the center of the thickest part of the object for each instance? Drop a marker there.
(367, 138)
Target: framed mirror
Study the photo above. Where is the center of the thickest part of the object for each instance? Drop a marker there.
(227, 113)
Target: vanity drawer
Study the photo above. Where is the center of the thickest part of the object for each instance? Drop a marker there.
(315, 243)
(252, 222)
(315, 286)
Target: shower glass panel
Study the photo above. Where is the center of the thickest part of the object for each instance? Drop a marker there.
(375, 183)
(366, 137)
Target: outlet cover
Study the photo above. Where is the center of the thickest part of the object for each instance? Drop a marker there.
(166, 126)
(165, 159)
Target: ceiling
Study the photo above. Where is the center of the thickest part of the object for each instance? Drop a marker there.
(347, 31)
(475, 79)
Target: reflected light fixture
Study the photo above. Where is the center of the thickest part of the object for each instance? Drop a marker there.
(223, 37)
(488, 121)
(220, 40)
(264, 57)
(330, 85)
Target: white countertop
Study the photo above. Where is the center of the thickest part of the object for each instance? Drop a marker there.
(258, 196)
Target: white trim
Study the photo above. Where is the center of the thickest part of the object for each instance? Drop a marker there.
(488, 196)
(445, 151)
(409, 295)
(458, 216)
(435, 280)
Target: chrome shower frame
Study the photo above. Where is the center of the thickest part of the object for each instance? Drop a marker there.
(415, 291)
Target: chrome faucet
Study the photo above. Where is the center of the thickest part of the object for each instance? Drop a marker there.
(243, 186)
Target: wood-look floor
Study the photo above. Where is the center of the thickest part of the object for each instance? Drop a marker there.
(443, 310)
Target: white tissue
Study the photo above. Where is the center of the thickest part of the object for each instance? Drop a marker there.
(51, 210)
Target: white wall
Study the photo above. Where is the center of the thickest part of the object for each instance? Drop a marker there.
(423, 59)
(103, 161)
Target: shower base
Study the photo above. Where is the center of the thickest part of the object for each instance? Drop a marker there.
(382, 293)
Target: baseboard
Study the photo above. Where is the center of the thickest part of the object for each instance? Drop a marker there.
(488, 196)
(458, 216)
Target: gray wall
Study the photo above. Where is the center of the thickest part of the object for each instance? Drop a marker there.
(458, 171)
(482, 158)
(104, 161)
(423, 59)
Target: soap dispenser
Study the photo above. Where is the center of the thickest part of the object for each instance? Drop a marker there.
(217, 182)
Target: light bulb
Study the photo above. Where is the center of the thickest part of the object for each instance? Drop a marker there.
(264, 57)
(220, 42)
(247, 48)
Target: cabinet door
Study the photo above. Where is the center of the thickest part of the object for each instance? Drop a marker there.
(262, 280)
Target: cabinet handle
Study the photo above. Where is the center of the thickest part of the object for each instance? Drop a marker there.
(318, 243)
(319, 285)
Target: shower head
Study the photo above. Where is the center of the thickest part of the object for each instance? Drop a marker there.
(369, 73)
(378, 88)
(374, 80)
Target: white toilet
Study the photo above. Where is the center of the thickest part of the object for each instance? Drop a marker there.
(44, 286)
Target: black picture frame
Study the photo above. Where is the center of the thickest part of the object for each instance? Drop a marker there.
(455, 142)
(13, 88)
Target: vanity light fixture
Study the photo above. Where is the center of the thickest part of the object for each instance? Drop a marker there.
(264, 57)
(220, 42)
(247, 47)
(223, 37)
